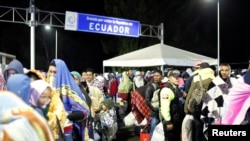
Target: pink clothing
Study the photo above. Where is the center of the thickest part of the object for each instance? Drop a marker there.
(37, 88)
(181, 82)
(237, 103)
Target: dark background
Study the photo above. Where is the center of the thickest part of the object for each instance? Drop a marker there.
(81, 50)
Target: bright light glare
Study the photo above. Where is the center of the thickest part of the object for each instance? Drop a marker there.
(47, 27)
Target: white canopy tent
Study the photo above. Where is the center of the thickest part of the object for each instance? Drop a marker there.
(158, 55)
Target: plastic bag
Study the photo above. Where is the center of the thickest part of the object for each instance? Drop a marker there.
(158, 134)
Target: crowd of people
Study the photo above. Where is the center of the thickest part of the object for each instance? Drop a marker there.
(62, 104)
(178, 115)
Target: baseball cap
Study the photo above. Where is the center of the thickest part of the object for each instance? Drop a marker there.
(174, 73)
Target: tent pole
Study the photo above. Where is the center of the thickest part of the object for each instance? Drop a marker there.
(162, 69)
(161, 36)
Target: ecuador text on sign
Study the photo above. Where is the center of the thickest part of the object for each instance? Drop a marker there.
(101, 24)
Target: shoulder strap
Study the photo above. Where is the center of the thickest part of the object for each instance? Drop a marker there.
(159, 97)
(61, 135)
(154, 85)
(200, 82)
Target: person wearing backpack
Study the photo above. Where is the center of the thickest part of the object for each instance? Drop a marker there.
(213, 105)
(188, 82)
(171, 111)
(192, 126)
(154, 112)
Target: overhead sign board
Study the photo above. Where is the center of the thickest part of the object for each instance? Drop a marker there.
(100, 24)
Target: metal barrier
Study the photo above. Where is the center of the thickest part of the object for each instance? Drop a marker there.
(5, 59)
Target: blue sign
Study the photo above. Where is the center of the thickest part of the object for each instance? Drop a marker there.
(101, 24)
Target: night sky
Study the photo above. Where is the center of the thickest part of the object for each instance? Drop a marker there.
(234, 31)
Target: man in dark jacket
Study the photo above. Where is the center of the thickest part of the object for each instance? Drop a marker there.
(154, 112)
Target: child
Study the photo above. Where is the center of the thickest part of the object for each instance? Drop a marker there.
(43, 96)
(108, 119)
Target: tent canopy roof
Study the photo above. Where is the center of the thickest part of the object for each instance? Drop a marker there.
(158, 55)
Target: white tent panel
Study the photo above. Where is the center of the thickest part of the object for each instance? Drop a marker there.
(158, 55)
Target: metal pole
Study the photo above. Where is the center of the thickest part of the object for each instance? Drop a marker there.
(162, 33)
(32, 34)
(218, 35)
(56, 46)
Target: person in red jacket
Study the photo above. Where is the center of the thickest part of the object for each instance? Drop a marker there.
(113, 86)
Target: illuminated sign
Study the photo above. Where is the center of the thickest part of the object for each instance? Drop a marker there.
(101, 24)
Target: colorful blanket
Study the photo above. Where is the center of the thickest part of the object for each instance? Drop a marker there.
(237, 103)
(19, 121)
(72, 97)
(139, 107)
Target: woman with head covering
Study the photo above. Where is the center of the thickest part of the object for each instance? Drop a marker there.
(77, 77)
(14, 67)
(73, 99)
(124, 86)
(20, 85)
(42, 96)
(18, 121)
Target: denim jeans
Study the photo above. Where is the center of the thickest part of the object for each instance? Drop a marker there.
(153, 122)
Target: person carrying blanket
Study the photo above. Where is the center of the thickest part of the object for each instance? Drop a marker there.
(139, 107)
(238, 101)
(72, 97)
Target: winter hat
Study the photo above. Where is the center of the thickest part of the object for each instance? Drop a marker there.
(184, 74)
(108, 103)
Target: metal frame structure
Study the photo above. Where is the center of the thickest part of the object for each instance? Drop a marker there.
(5, 59)
(33, 17)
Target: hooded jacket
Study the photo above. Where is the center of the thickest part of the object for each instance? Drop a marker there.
(15, 65)
(20, 85)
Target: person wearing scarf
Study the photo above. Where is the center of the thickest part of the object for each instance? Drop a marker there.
(14, 67)
(20, 122)
(77, 77)
(72, 97)
(213, 105)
